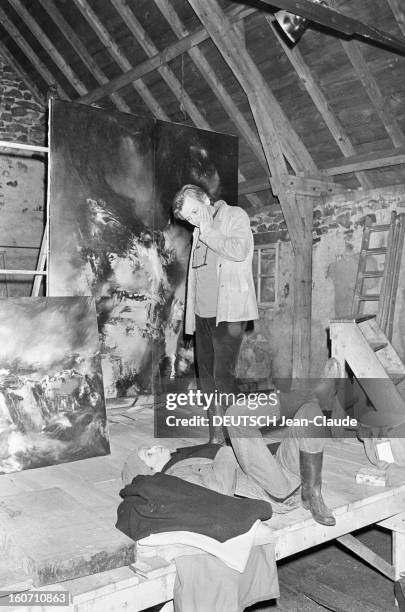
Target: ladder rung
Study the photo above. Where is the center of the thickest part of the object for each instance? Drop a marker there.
(372, 274)
(375, 251)
(380, 228)
(372, 297)
(377, 346)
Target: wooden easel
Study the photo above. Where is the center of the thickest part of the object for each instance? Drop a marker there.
(40, 271)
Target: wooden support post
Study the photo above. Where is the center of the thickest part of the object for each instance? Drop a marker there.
(301, 347)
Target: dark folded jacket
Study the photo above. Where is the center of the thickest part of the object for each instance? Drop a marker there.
(158, 503)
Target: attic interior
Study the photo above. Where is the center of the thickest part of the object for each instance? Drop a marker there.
(293, 112)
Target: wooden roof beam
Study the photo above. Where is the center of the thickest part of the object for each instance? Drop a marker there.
(44, 41)
(380, 105)
(319, 99)
(368, 161)
(168, 75)
(36, 94)
(165, 56)
(30, 54)
(355, 163)
(118, 56)
(81, 51)
(208, 73)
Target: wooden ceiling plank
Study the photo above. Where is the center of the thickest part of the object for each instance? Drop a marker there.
(81, 51)
(168, 75)
(319, 99)
(36, 94)
(208, 73)
(44, 41)
(230, 44)
(118, 56)
(30, 54)
(380, 105)
(150, 65)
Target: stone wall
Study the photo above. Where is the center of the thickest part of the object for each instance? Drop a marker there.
(338, 228)
(22, 182)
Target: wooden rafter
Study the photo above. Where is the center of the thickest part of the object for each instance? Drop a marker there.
(81, 50)
(319, 99)
(165, 56)
(48, 46)
(332, 19)
(22, 74)
(116, 53)
(167, 74)
(397, 7)
(30, 54)
(355, 55)
(208, 73)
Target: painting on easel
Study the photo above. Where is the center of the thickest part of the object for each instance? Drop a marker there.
(52, 407)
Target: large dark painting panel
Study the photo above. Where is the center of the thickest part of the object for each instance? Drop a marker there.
(52, 407)
(112, 180)
(186, 155)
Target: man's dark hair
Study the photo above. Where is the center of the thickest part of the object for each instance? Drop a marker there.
(191, 190)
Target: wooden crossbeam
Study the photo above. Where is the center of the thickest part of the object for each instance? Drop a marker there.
(171, 52)
(380, 104)
(397, 7)
(356, 163)
(362, 551)
(36, 94)
(337, 22)
(166, 73)
(81, 51)
(368, 161)
(32, 56)
(116, 53)
(319, 99)
(208, 73)
(45, 42)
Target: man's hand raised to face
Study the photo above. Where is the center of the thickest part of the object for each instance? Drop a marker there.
(206, 219)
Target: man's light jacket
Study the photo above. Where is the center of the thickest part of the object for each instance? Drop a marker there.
(232, 241)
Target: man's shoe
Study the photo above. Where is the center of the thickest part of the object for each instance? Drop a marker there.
(311, 496)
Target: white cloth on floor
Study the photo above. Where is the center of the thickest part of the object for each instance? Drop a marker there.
(233, 552)
(205, 584)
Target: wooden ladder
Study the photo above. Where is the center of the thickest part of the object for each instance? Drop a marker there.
(360, 343)
(392, 250)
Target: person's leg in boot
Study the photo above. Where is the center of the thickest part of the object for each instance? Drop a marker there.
(253, 455)
(302, 454)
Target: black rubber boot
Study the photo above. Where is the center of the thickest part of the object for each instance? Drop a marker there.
(311, 480)
(215, 431)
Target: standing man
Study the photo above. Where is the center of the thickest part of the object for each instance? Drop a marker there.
(221, 296)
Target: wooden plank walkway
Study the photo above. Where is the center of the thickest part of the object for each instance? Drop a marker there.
(96, 483)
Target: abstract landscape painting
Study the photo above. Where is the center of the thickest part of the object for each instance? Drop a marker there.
(112, 181)
(52, 407)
